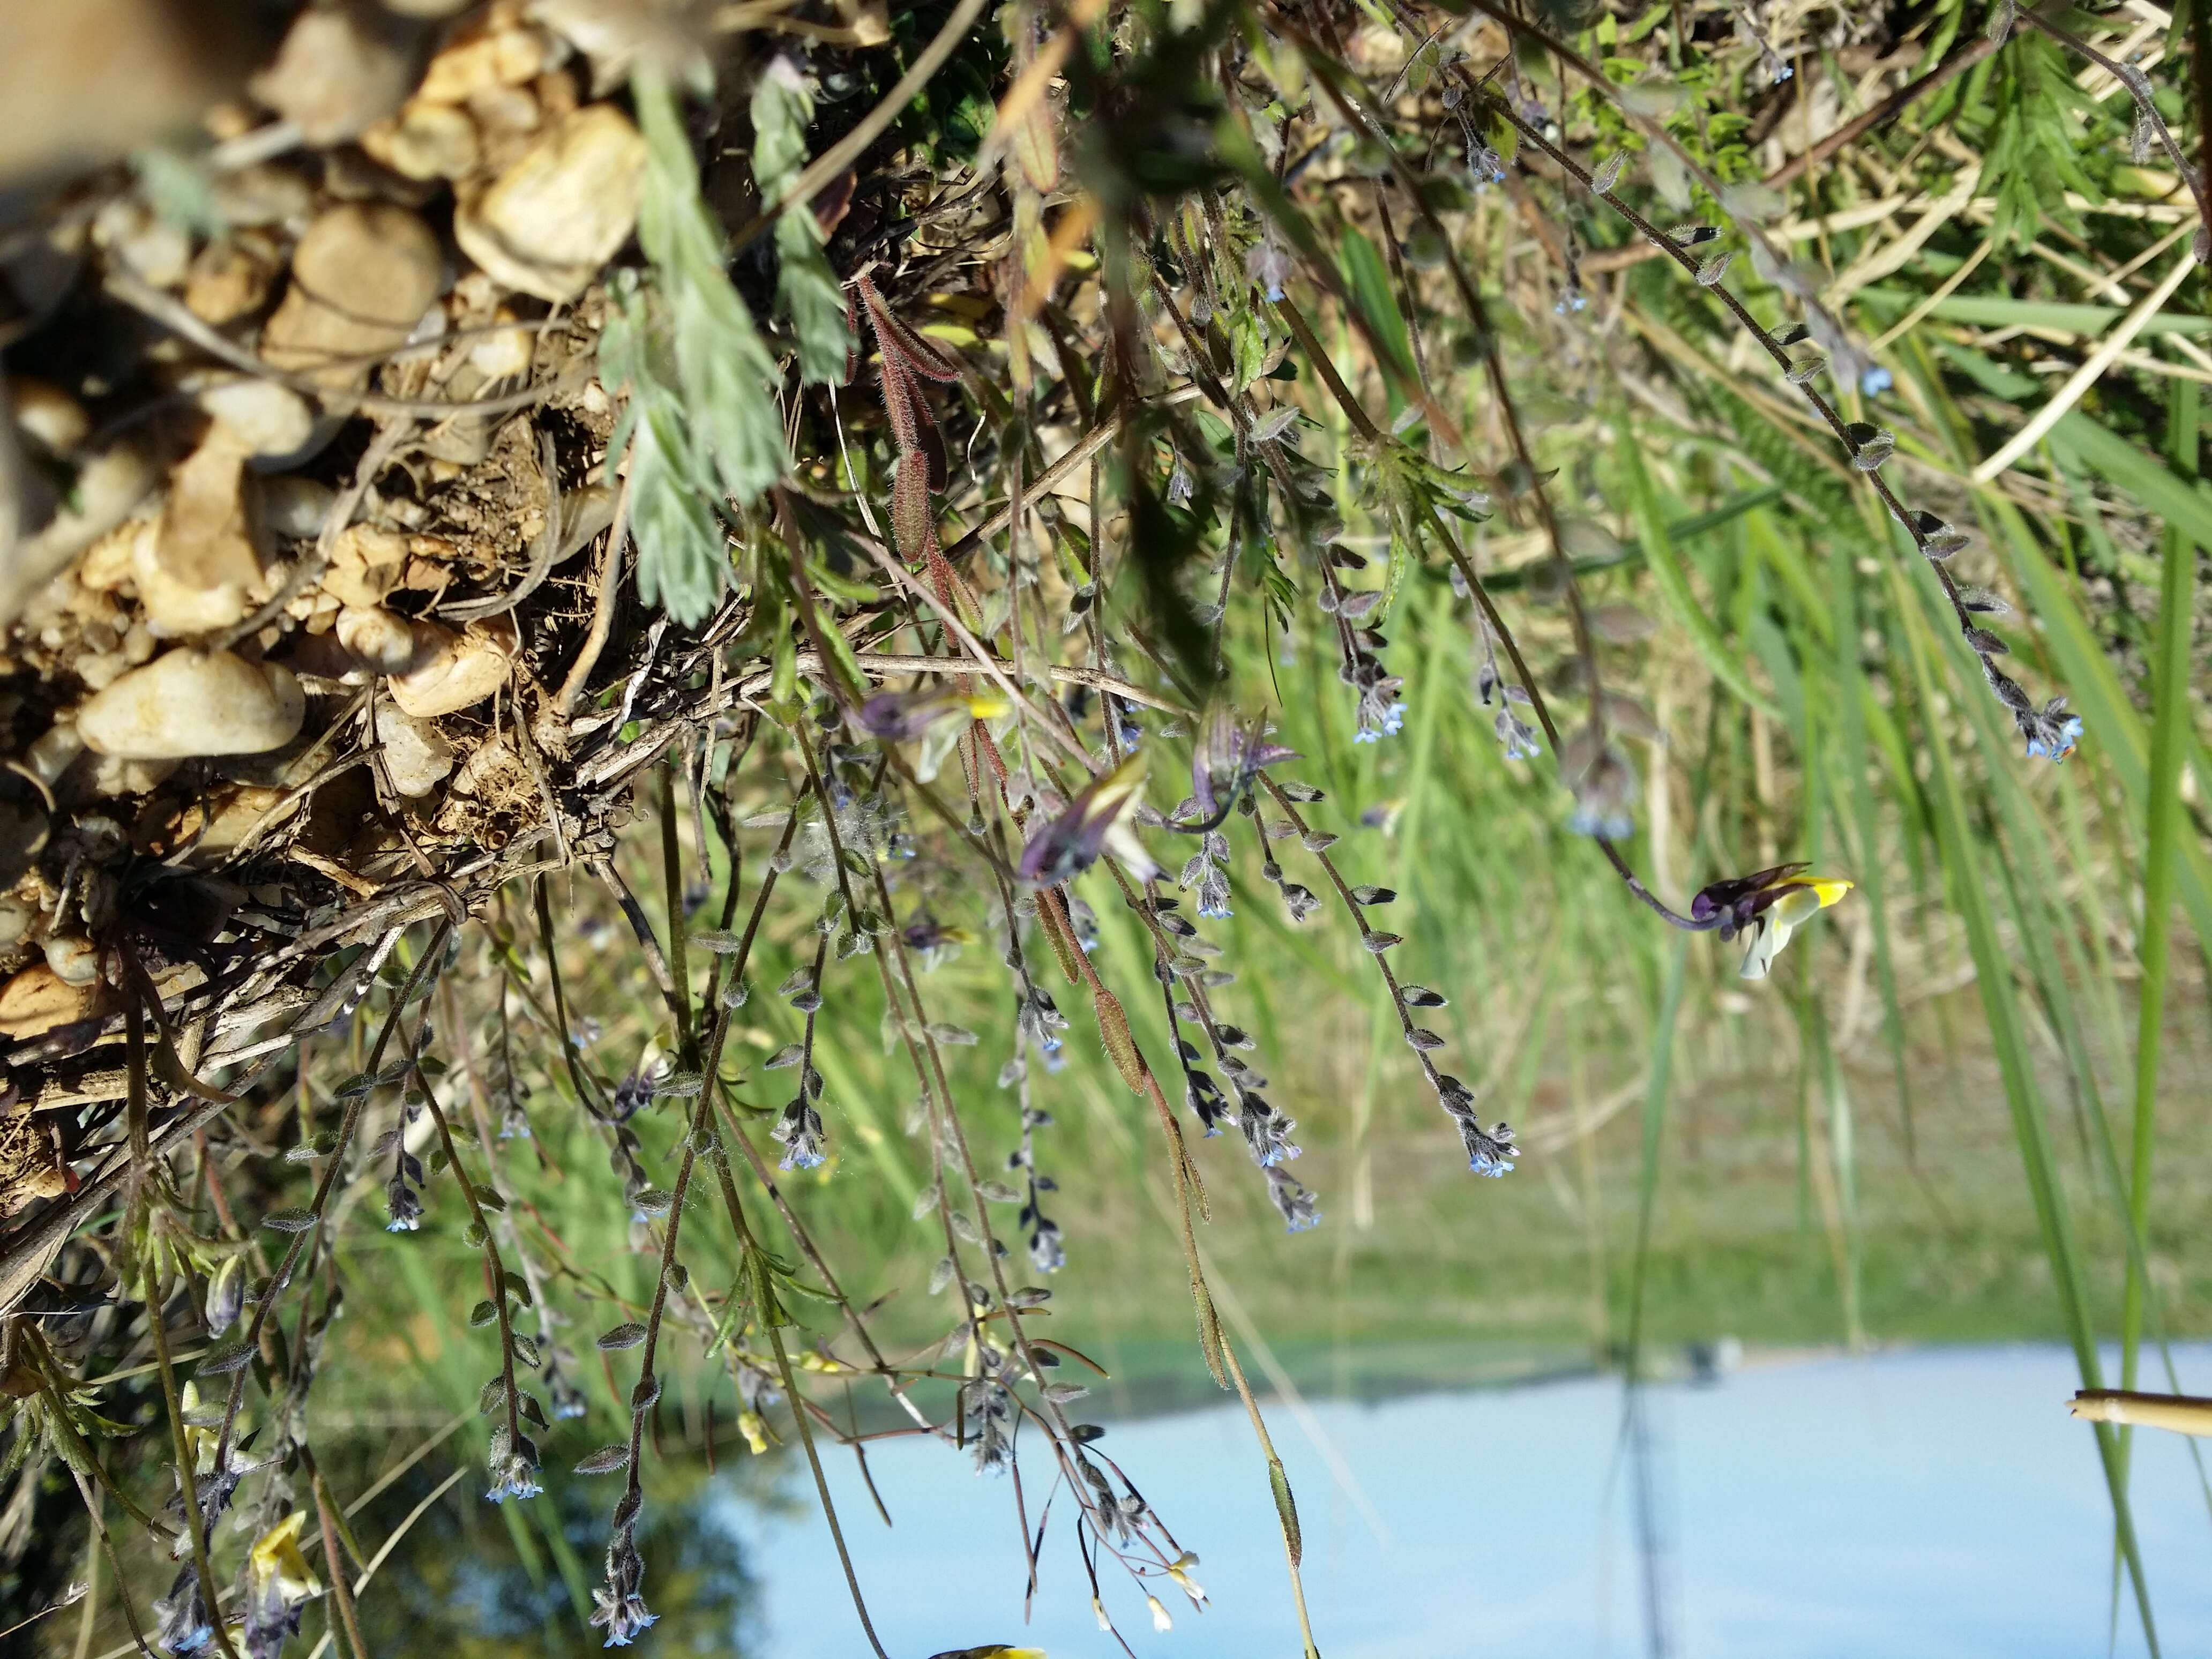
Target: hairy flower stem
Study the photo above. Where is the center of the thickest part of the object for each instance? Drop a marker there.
(92, 1508)
(891, 993)
(494, 1267)
(589, 1096)
(1287, 1509)
(2138, 88)
(702, 1113)
(331, 1167)
(53, 1383)
(1477, 315)
(1766, 342)
(348, 1618)
(187, 1473)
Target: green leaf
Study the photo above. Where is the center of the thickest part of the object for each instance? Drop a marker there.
(728, 378)
(806, 290)
(2016, 1067)
(2147, 482)
(1673, 580)
(1367, 279)
(1287, 1512)
(2169, 748)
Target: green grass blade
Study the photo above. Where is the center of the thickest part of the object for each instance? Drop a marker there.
(1654, 1119)
(2141, 478)
(1857, 799)
(2097, 693)
(1674, 580)
(1993, 967)
(2169, 742)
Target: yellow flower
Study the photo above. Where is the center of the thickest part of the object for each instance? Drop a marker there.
(1184, 1582)
(1801, 897)
(277, 1564)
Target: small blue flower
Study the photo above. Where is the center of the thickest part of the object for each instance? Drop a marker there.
(1876, 380)
(2057, 744)
(1613, 826)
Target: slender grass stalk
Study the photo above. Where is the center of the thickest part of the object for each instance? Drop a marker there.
(2169, 745)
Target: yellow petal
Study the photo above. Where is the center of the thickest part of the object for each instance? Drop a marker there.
(276, 1557)
(1829, 890)
(1117, 786)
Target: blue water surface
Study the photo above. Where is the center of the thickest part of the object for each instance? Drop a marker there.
(1931, 1503)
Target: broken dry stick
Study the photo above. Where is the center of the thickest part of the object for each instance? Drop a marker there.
(2182, 1414)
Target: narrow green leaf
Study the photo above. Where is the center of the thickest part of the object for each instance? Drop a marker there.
(2016, 1066)
(1673, 580)
(2169, 746)
(1367, 279)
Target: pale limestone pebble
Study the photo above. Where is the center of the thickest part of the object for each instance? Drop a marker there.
(54, 752)
(489, 767)
(210, 831)
(100, 669)
(505, 111)
(430, 565)
(452, 671)
(341, 70)
(555, 94)
(227, 281)
(321, 614)
(113, 776)
(416, 755)
(613, 35)
(376, 639)
(207, 537)
(262, 194)
(190, 703)
(366, 562)
(505, 353)
(48, 414)
(295, 509)
(74, 959)
(100, 618)
(174, 609)
(152, 248)
(426, 141)
(317, 655)
(39, 1000)
(16, 918)
(109, 562)
(89, 80)
(264, 417)
(109, 485)
(562, 210)
(499, 49)
(362, 275)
